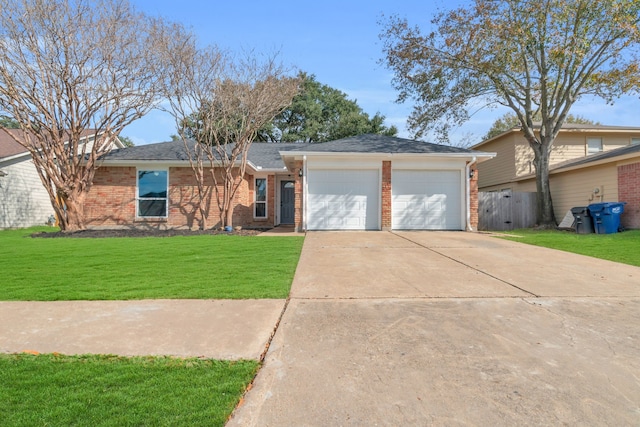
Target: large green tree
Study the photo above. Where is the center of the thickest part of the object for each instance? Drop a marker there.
(537, 57)
(8, 122)
(321, 113)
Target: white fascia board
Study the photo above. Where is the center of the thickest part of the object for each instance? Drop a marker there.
(16, 156)
(134, 163)
(179, 163)
(300, 154)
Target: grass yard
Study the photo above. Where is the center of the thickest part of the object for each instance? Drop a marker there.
(620, 247)
(56, 390)
(185, 267)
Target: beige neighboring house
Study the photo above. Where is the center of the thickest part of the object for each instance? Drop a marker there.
(24, 202)
(589, 164)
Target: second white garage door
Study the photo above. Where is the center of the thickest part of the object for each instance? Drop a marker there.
(426, 200)
(343, 199)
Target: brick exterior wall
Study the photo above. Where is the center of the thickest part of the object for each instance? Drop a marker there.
(629, 191)
(112, 198)
(111, 201)
(473, 200)
(386, 195)
(298, 196)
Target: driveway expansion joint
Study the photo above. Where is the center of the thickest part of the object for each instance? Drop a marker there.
(467, 265)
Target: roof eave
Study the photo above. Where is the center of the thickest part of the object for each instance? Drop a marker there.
(569, 168)
(478, 155)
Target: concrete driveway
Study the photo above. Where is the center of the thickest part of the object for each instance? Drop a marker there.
(450, 328)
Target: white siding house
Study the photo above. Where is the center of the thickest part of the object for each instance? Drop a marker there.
(24, 202)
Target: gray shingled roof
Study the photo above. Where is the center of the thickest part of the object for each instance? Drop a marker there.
(381, 144)
(262, 155)
(267, 155)
(161, 151)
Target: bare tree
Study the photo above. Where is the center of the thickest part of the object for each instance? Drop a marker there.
(535, 57)
(74, 69)
(220, 103)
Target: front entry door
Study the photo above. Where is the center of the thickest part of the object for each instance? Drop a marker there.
(287, 196)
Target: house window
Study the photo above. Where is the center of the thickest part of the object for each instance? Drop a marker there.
(261, 198)
(635, 141)
(152, 193)
(594, 145)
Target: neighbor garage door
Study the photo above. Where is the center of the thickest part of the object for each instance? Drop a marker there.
(343, 199)
(426, 200)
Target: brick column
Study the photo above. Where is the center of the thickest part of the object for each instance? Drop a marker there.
(473, 199)
(386, 195)
(298, 202)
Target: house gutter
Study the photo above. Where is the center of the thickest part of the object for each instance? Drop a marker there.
(468, 195)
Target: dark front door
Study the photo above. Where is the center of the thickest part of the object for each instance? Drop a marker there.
(287, 196)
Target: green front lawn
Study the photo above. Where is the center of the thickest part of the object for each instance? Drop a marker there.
(56, 390)
(192, 267)
(620, 247)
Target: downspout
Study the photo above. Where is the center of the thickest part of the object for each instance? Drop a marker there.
(468, 195)
(304, 193)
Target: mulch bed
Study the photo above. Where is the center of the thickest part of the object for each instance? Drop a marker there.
(145, 233)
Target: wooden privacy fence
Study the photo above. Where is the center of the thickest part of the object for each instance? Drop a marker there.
(505, 210)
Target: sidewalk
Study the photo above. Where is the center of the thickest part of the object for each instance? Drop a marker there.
(218, 329)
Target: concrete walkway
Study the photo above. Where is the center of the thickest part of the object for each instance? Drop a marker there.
(219, 329)
(426, 328)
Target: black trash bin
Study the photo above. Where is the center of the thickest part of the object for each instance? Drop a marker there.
(582, 220)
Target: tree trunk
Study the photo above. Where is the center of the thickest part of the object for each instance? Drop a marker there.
(229, 216)
(73, 218)
(544, 205)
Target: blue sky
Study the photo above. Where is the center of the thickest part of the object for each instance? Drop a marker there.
(335, 40)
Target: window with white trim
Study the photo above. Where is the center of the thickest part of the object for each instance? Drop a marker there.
(594, 145)
(152, 198)
(260, 205)
(635, 141)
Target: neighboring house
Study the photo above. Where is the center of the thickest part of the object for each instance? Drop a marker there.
(589, 164)
(24, 202)
(367, 182)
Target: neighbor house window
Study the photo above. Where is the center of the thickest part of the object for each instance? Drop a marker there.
(635, 141)
(152, 193)
(594, 145)
(261, 198)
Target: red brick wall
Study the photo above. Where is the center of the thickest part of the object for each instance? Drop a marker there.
(386, 195)
(473, 200)
(298, 194)
(112, 198)
(629, 191)
(112, 201)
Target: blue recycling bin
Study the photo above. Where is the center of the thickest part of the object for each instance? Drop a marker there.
(606, 216)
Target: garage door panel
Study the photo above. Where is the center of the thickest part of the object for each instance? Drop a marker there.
(343, 199)
(426, 200)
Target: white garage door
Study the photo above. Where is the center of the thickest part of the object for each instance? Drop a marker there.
(343, 199)
(426, 200)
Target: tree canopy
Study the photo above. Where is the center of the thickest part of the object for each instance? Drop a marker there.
(128, 142)
(8, 122)
(320, 113)
(536, 57)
